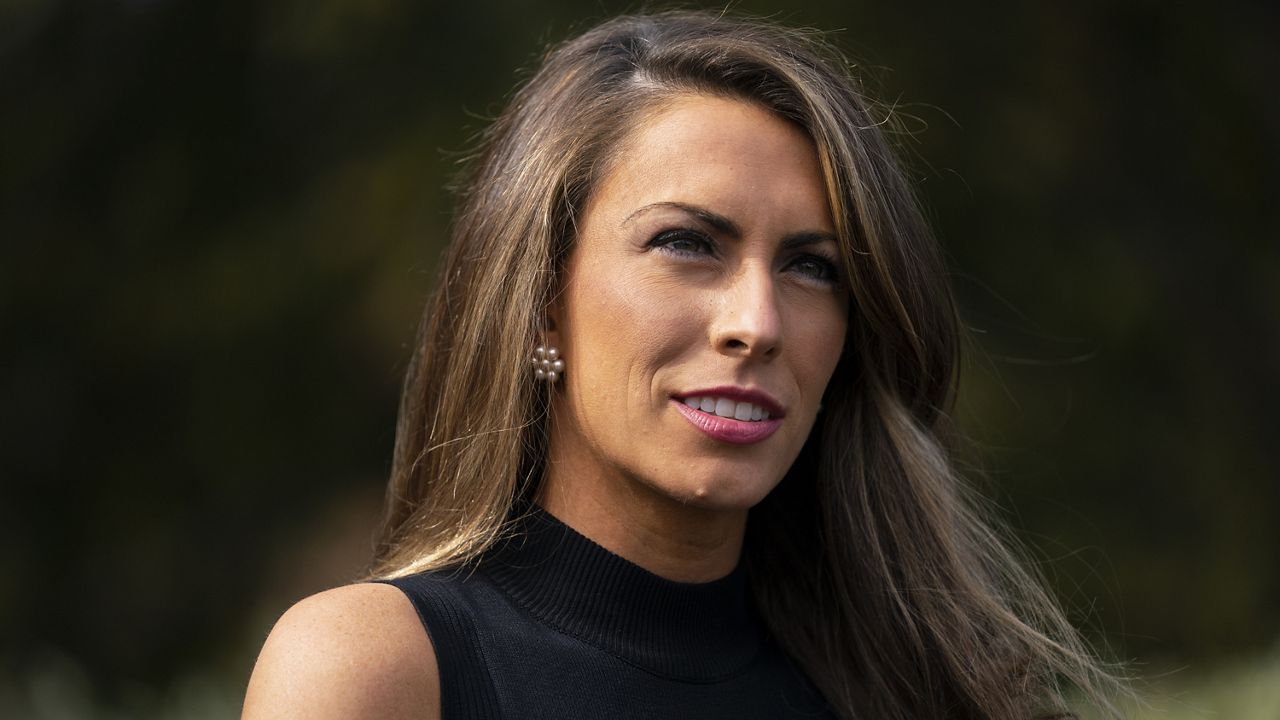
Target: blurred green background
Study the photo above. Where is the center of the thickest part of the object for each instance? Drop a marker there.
(219, 222)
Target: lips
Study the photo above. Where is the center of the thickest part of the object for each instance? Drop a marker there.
(730, 414)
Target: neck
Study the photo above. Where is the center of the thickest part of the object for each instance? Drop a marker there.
(671, 539)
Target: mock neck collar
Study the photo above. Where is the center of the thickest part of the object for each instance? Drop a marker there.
(696, 632)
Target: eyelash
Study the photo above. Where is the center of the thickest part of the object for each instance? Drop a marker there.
(665, 241)
(828, 272)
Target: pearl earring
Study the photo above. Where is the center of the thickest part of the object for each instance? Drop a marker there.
(547, 364)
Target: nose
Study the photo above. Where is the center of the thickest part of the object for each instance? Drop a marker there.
(748, 320)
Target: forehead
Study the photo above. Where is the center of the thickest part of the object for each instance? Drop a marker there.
(731, 156)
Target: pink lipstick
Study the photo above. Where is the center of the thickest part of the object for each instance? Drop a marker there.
(755, 415)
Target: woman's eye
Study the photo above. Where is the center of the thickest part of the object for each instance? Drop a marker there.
(683, 242)
(813, 266)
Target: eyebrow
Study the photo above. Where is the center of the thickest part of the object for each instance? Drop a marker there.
(724, 225)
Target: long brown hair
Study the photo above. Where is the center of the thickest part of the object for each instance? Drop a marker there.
(870, 563)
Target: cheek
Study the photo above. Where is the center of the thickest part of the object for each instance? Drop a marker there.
(820, 333)
(621, 333)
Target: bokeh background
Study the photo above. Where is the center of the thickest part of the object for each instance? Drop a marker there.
(219, 222)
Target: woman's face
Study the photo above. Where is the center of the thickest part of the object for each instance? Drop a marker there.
(702, 310)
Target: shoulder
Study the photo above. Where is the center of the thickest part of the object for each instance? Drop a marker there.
(354, 651)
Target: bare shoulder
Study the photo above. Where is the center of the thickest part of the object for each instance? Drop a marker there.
(351, 652)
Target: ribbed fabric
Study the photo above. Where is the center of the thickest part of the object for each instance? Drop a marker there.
(451, 626)
(692, 632)
(551, 625)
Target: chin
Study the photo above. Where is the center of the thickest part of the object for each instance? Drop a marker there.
(721, 493)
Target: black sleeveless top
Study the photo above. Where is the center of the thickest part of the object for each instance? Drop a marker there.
(551, 625)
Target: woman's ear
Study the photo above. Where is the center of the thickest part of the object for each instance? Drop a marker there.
(551, 322)
(547, 357)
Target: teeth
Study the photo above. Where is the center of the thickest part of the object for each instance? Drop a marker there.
(724, 407)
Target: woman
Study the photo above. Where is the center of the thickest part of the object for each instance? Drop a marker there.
(721, 487)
